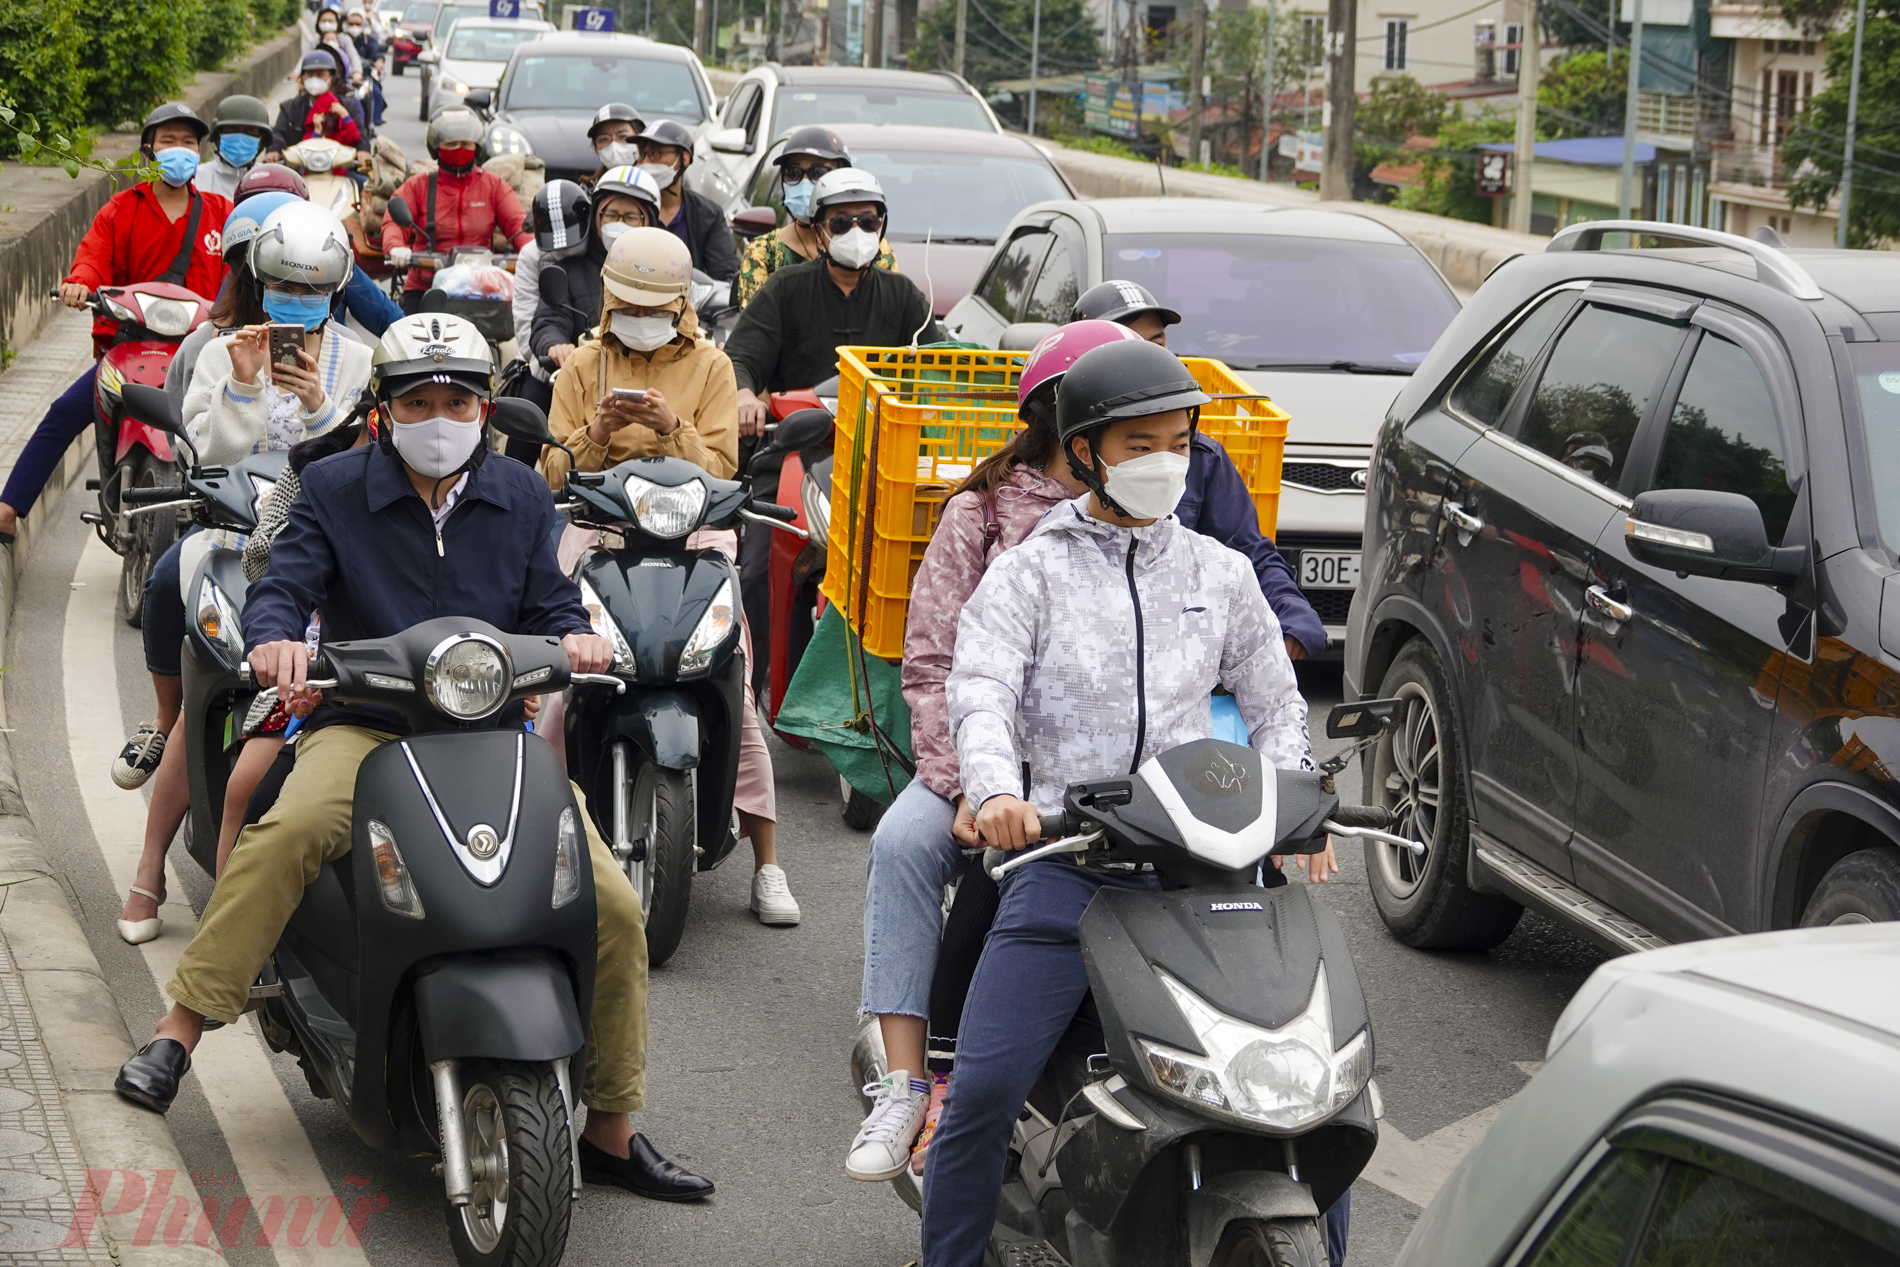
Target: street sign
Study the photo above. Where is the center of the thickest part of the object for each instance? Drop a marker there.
(504, 8)
(1494, 172)
(1109, 106)
(589, 19)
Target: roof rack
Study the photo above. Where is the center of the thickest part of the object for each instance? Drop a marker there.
(1773, 266)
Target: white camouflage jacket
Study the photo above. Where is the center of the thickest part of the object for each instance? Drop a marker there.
(1054, 665)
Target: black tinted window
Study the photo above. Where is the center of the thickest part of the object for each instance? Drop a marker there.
(1488, 386)
(1056, 288)
(1597, 1221)
(1722, 434)
(1009, 275)
(1599, 381)
(1709, 1220)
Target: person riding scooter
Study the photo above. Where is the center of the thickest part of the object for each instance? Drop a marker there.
(383, 537)
(666, 151)
(459, 205)
(322, 88)
(811, 153)
(624, 200)
(613, 134)
(240, 131)
(1093, 683)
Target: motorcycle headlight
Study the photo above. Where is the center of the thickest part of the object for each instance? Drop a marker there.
(110, 379)
(817, 501)
(261, 491)
(166, 316)
(567, 860)
(119, 310)
(605, 627)
(661, 511)
(503, 139)
(467, 677)
(1285, 1078)
(217, 617)
(711, 632)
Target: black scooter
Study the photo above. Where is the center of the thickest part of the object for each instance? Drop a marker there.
(660, 763)
(1214, 1093)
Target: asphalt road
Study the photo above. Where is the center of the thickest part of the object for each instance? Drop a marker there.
(750, 1027)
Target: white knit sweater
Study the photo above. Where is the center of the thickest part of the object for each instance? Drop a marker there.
(227, 421)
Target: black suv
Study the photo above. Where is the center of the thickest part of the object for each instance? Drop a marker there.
(1631, 530)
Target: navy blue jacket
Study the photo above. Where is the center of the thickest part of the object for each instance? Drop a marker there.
(363, 299)
(1218, 505)
(360, 548)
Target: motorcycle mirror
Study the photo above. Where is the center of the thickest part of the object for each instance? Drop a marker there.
(520, 420)
(802, 430)
(754, 221)
(1364, 720)
(554, 285)
(398, 210)
(156, 409)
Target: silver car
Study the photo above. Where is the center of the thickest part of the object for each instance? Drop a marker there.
(1728, 1102)
(1326, 312)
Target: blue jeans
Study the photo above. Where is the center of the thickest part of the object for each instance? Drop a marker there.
(66, 420)
(912, 856)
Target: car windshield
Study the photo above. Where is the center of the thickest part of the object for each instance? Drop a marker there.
(799, 106)
(419, 12)
(1257, 301)
(957, 197)
(650, 85)
(488, 43)
(1877, 389)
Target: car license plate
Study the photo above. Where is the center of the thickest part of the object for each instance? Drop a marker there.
(1329, 569)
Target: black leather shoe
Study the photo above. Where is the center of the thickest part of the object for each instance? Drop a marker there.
(151, 1077)
(645, 1173)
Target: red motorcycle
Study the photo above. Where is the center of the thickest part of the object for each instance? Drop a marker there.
(154, 318)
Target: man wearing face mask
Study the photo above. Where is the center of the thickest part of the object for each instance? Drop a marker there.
(613, 132)
(666, 150)
(166, 230)
(1085, 650)
(457, 205)
(810, 154)
(319, 80)
(789, 335)
(239, 132)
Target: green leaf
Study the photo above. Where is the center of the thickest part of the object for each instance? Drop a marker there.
(28, 146)
(6, 115)
(28, 124)
(72, 167)
(60, 142)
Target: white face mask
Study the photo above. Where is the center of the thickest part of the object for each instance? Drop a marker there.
(315, 85)
(662, 173)
(855, 249)
(619, 154)
(1150, 486)
(436, 447)
(643, 334)
(610, 233)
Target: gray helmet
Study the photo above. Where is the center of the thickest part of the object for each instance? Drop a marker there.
(170, 112)
(453, 125)
(615, 111)
(239, 111)
(1121, 301)
(667, 132)
(302, 242)
(320, 58)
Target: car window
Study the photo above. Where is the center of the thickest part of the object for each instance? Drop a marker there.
(1722, 434)
(1607, 367)
(1486, 389)
(1704, 1219)
(1595, 1224)
(1009, 275)
(796, 107)
(740, 109)
(1059, 284)
(1876, 392)
(448, 14)
(488, 43)
(419, 12)
(581, 83)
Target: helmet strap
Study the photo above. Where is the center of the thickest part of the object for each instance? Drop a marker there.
(1088, 474)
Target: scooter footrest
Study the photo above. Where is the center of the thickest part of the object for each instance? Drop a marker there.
(1016, 1250)
(261, 992)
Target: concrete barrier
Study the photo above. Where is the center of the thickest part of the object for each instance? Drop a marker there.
(48, 211)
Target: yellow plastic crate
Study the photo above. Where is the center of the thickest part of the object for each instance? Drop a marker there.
(941, 411)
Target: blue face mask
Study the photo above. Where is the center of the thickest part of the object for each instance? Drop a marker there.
(237, 148)
(798, 201)
(308, 311)
(177, 166)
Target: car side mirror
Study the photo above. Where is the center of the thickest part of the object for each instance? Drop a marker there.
(1697, 532)
(398, 210)
(428, 57)
(754, 222)
(479, 99)
(1364, 720)
(730, 141)
(1023, 336)
(522, 420)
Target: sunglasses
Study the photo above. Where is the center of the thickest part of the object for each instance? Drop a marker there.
(795, 172)
(869, 221)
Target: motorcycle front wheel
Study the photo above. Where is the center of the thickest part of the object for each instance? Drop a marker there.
(667, 887)
(516, 1125)
(1271, 1243)
(146, 536)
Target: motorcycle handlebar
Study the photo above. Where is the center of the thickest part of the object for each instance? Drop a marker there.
(153, 496)
(771, 510)
(1055, 826)
(1375, 816)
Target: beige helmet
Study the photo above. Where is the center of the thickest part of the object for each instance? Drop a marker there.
(649, 267)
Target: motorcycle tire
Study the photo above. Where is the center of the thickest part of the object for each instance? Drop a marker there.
(1271, 1243)
(671, 862)
(861, 812)
(147, 536)
(516, 1125)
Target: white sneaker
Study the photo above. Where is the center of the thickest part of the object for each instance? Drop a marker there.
(882, 1148)
(772, 900)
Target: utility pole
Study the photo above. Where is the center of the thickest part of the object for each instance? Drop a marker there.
(1197, 69)
(702, 28)
(1342, 33)
(963, 34)
(873, 32)
(1627, 200)
(1266, 100)
(1527, 77)
(1853, 113)
(1035, 59)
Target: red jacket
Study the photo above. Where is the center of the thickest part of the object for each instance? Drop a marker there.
(467, 212)
(133, 240)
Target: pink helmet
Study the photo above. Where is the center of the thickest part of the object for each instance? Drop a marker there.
(1052, 357)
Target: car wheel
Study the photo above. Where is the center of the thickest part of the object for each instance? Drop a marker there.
(1417, 772)
(1862, 888)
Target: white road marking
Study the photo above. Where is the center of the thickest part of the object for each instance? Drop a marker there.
(232, 1065)
(1416, 1168)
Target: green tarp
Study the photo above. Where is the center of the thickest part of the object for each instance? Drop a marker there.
(822, 705)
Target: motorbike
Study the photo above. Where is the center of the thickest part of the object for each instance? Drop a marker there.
(326, 166)
(659, 763)
(491, 312)
(1214, 1093)
(154, 318)
(712, 300)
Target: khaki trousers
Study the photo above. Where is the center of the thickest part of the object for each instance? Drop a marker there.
(275, 858)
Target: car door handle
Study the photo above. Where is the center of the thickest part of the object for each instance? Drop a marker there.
(1461, 518)
(1604, 605)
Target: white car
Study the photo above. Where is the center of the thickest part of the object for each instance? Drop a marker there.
(1727, 1102)
(473, 54)
(1326, 312)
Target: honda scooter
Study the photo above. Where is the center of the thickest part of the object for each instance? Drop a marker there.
(660, 763)
(1215, 1092)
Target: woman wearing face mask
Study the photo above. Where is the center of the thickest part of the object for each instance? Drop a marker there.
(330, 34)
(810, 152)
(624, 199)
(318, 80)
(650, 341)
(458, 205)
(613, 132)
(666, 151)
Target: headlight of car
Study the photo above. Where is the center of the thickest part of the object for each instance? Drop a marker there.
(467, 677)
(604, 625)
(504, 139)
(449, 83)
(217, 618)
(166, 316)
(817, 501)
(663, 511)
(1285, 1078)
(711, 633)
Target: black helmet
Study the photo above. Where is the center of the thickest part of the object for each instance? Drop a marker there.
(562, 211)
(1123, 380)
(816, 140)
(667, 132)
(171, 112)
(612, 111)
(1120, 301)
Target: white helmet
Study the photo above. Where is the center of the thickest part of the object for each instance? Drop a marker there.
(848, 184)
(302, 242)
(631, 182)
(431, 347)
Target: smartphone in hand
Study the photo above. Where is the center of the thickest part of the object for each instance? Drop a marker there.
(631, 395)
(286, 340)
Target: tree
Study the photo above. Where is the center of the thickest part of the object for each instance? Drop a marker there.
(1584, 95)
(1812, 154)
(1448, 183)
(998, 39)
(1236, 62)
(1398, 109)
